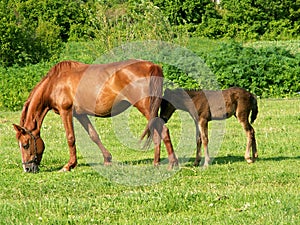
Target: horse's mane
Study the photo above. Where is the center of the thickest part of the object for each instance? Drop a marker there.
(55, 70)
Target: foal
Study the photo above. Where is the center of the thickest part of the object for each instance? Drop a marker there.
(205, 106)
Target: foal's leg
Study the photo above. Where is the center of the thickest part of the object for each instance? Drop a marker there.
(250, 133)
(86, 123)
(199, 143)
(203, 126)
(143, 107)
(67, 119)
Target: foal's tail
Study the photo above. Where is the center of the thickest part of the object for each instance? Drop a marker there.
(254, 108)
(156, 88)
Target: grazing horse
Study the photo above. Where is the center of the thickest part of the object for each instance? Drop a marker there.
(74, 89)
(205, 106)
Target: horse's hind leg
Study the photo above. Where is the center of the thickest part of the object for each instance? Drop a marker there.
(199, 143)
(160, 132)
(203, 125)
(86, 123)
(173, 161)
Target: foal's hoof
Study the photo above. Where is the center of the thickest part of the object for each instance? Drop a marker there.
(173, 165)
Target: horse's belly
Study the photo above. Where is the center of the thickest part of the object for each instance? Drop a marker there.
(102, 106)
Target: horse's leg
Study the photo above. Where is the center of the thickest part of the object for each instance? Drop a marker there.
(203, 126)
(199, 143)
(143, 107)
(86, 123)
(67, 119)
(173, 161)
(251, 142)
(254, 148)
(157, 144)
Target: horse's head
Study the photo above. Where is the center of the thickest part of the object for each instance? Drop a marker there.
(166, 108)
(32, 148)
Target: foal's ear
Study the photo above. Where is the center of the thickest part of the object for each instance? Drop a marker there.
(167, 90)
(19, 129)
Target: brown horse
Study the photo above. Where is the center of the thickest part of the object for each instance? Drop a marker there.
(73, 89)
(205, 106)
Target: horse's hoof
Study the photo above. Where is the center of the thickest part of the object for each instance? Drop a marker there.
(196, 163)
(107, 163)
(249, 161)
(205, 165)
(63, 170)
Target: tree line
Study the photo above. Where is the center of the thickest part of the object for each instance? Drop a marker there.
(35, 30)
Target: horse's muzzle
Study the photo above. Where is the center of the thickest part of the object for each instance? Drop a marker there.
(31, 168)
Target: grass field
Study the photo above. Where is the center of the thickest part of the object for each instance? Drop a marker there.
(229, 192)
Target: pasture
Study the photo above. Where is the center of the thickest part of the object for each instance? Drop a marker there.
(230, 191)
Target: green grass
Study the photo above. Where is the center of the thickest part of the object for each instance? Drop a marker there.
(229, 192)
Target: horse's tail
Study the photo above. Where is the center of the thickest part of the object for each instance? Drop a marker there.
(156, 89)
(254, 107)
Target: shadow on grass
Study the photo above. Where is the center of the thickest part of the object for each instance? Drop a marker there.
(187, 162)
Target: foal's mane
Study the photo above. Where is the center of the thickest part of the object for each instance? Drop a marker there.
(54, 71)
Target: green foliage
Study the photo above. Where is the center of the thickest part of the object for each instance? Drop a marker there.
(266, 71)
(17, 82)
(249, 20)
(32, 31)
(183, 12)
(128, 22)
(24, 41)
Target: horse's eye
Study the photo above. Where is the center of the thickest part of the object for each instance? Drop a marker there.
(26, 146)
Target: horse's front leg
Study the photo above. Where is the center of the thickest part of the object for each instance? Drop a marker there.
(67, 119)
(173, 161)
(86, 123)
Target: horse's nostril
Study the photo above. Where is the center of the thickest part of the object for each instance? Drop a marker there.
(27, 169)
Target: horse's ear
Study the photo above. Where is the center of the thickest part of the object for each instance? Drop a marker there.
(19, 129)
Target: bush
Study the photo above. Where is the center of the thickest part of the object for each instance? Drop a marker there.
(266, 71)
(24, 41)
(252, 20)
(34, 30)
(17, 82)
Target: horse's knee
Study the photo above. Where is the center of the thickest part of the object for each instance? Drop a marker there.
(71, 140)
(204, 140)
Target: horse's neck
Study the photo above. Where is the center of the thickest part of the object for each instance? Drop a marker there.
(35, 111)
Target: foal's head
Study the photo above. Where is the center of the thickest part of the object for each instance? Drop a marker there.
(167, 108)
(32, 148)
